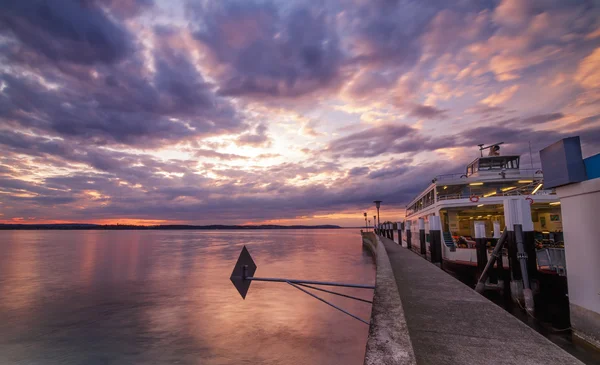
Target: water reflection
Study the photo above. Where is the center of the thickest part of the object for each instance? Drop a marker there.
(144, 297)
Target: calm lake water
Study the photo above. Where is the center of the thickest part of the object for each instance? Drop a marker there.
(156, 297)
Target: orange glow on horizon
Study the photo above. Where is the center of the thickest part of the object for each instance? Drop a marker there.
(114, 221)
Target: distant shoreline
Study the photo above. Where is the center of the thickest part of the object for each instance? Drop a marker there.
(214, 227)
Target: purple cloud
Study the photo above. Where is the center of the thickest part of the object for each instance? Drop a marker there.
(265, 52)
(63, 30)
(276, 110)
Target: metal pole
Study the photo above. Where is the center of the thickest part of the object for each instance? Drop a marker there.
(295, 281)
(326, 302)
(336, 293)
(522, 257)
(530, 155)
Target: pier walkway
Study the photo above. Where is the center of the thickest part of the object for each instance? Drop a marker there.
(449, 323)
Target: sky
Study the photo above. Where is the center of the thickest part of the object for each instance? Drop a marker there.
(282, 112)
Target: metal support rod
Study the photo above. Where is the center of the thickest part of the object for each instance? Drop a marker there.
(329, 283)
(522, 256)
(326, 302)
(496, 255)
(336, 293)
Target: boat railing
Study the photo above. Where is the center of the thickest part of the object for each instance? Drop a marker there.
(525, 191)
(452, 196)
(522, 173)
(450, 177)
(553, 259)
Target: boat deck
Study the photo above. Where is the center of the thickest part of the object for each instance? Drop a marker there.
(449, 323)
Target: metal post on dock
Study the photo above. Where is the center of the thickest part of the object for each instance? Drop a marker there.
(516, 280)
(392, 231)
(480, 246)
(435, 238)
(408, 235)
(422, 237)
(522, 256)
(399, 226)
(516, 211)
(532, 268)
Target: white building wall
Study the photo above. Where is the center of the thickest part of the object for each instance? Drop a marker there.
(580, 204)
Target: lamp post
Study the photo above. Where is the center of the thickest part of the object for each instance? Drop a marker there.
(377, 205)
(366, 226)
(375, 224)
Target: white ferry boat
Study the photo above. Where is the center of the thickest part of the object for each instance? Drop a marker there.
(478, 194)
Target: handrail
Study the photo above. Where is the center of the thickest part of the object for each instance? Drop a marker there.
(533, 172)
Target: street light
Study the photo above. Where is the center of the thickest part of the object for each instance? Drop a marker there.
(366, 226)
(375, 223)
(377, 205)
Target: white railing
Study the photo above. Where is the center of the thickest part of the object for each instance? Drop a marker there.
(522, 173)
(515, 192)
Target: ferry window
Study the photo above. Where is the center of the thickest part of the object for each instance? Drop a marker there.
(484, 164)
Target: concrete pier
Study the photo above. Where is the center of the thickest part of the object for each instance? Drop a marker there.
(447, 322)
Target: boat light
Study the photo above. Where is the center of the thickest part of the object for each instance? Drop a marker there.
(480, 205)
(490, 194)
(555, 203)
(546, 232)
(445, 187)
(470, 217)
(476, 184)
(525, 181)
(509, 188)
(536, 189)
(479, 216)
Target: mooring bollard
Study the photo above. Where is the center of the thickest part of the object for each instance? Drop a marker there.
(392, 231)
(422, 237)
(399, 226)
(480, 246)
(435, 238)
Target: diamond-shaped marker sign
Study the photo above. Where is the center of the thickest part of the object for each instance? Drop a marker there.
(237, 279)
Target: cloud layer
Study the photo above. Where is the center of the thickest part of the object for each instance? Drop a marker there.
(276, 111)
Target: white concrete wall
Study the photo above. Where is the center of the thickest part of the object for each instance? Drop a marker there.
(581, 224)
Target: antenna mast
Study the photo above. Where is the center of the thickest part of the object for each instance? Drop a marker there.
(493, 147)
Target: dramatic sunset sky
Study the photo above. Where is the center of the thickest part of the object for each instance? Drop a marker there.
(289, 112)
